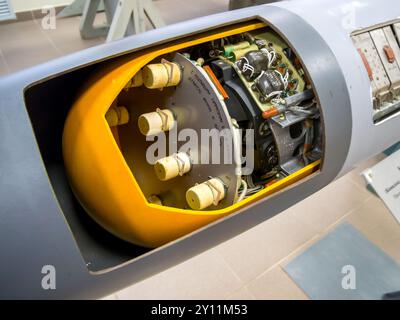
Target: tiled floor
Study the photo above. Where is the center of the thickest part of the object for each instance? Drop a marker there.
(26, 43)
(250, 265)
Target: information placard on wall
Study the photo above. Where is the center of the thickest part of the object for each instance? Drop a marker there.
(384, 178)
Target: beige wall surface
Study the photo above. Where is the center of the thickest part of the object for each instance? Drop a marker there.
(23, 5)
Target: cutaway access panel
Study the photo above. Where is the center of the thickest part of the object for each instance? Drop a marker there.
(195, 130)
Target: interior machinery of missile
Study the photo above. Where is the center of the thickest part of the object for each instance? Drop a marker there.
(205, 126)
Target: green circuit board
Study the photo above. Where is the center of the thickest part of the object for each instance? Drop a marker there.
(279, 46)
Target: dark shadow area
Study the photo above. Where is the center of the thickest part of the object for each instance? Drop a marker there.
(48, 104)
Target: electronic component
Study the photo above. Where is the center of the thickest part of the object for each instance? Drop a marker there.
(161, 75)
(380, 53)
(392, 52)
(117, 116)
(269, 84)
(173, 166)
(153, 123)
(380, 81)
(292, 104)
(386, 53)
(206, 194)
(136, 81)
(253, 63)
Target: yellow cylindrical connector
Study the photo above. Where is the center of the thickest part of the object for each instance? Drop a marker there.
(161, 75)
(136, 81)
(170, 167)
(117, 116)
(205, 194)
(153, 123)
(155, 200)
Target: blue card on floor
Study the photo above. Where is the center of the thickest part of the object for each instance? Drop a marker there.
(345, 265)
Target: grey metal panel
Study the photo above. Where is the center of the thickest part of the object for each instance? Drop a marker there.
(33, 229)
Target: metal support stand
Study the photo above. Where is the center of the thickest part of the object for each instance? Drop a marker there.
(76, 9)
(124, 17)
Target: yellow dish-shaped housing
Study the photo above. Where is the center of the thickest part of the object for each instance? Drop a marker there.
(99, 174)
